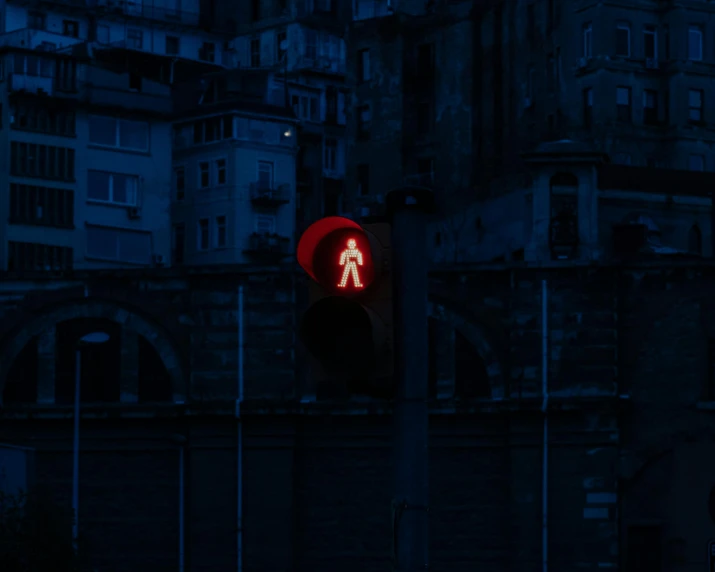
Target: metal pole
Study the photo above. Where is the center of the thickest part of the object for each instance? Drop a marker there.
(545, 409)
(75, 448)
(408, 208)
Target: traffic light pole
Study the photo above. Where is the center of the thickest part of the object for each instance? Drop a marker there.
(408, 209)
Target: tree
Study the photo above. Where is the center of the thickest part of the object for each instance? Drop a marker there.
(35, 534)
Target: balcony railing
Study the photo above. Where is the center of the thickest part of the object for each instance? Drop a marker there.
(32, 83)
(39, 40)
(322, 64)
(267, 247)
(269, 196)
(149, 11)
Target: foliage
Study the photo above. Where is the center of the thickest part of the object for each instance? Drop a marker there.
(35, 534)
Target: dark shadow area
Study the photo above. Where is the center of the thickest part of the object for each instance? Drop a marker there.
(471, 379)
(432, 340)
(154, 380)
(21, 382)
(100, 363)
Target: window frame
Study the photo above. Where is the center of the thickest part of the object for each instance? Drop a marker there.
(330, 149)
(110, 192)
(364, 71)
(220, 224)
(67, 28)
(587, 40)
(119, 231)
(650, 30)
(623, 27)
(629, 106)
(167, 38)
(696, 29)
(271, 170)
(200, 173)
(180, 189)
(217, 171)
(135, 38)
(650, 117)
(118, 134)
(700, 109)
(199, 234)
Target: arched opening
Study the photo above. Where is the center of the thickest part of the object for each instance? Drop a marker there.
(695, 240)
(100, 364)
(154, 382)
(471, 379)
(21, 382)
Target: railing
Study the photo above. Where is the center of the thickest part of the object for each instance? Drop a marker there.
(40, 40)
(272, 244)
(279, 193)
(323, 64)
(31, 83)
(149, 11)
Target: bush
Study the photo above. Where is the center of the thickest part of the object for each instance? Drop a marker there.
(35, 534)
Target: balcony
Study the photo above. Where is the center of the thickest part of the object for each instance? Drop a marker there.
(271, 197)
(40, 40)
(321, 64)
(31, 83)
(148, 11)
(267, 247)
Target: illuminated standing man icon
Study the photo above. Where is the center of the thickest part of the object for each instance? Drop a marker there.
(350, 258)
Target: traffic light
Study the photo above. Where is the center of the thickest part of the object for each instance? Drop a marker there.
(348, 326)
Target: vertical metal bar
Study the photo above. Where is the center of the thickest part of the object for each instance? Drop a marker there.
(409, 220)
(75, 448)
(545, 409)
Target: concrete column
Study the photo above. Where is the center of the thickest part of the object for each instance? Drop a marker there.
(46, 349)
(538, 247)
(129, 376)
(445, 358)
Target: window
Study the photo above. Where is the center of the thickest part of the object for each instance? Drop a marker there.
(118, 244)
(43, 119)
(623, 103)
(623, 40)
(650, 42)
(44, 161)
(207, 52)
(36, 20)
(311, 44)
(265, 224)
(220, 169)
(363, 65)
(119, 133)
(41, 205)
(330, 154)
(281, 46)
(172, 45)
(178, 246)
(364, 120)
(587, 107)
(306, 107)
(31, 256)
(265, 175)
(696, 163)
(650, 107)
(32, 65)
(256, 52)
(112, 188)
(204, 175)
(70, 28)
(695, 105)
(331, 104)
(695, 241)
(180, 183)
(135, 38)
(587, 33)
(203, 234)
(695, 43)
(363, 179)
(103, 35)
(221, 232)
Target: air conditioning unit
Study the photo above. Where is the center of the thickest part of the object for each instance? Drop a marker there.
(582, 63)
(158, 259)
(651, 63)
(134, 213)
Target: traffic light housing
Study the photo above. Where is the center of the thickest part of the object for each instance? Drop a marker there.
(348, 326)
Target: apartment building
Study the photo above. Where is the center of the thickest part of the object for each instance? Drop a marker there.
(234, 163)
(303, 42)
(84, 151)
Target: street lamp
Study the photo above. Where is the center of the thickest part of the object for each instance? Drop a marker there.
(94, 338)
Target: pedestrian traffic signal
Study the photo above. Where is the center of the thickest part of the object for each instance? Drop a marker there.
(347, 327)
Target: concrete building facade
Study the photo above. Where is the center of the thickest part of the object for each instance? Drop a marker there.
(234, 187)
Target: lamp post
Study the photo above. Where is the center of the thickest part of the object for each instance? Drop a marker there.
(94, 338)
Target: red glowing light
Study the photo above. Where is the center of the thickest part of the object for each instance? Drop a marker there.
(350, 259)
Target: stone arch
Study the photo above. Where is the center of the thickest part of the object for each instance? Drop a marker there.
(475, 334)
(102, 309)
